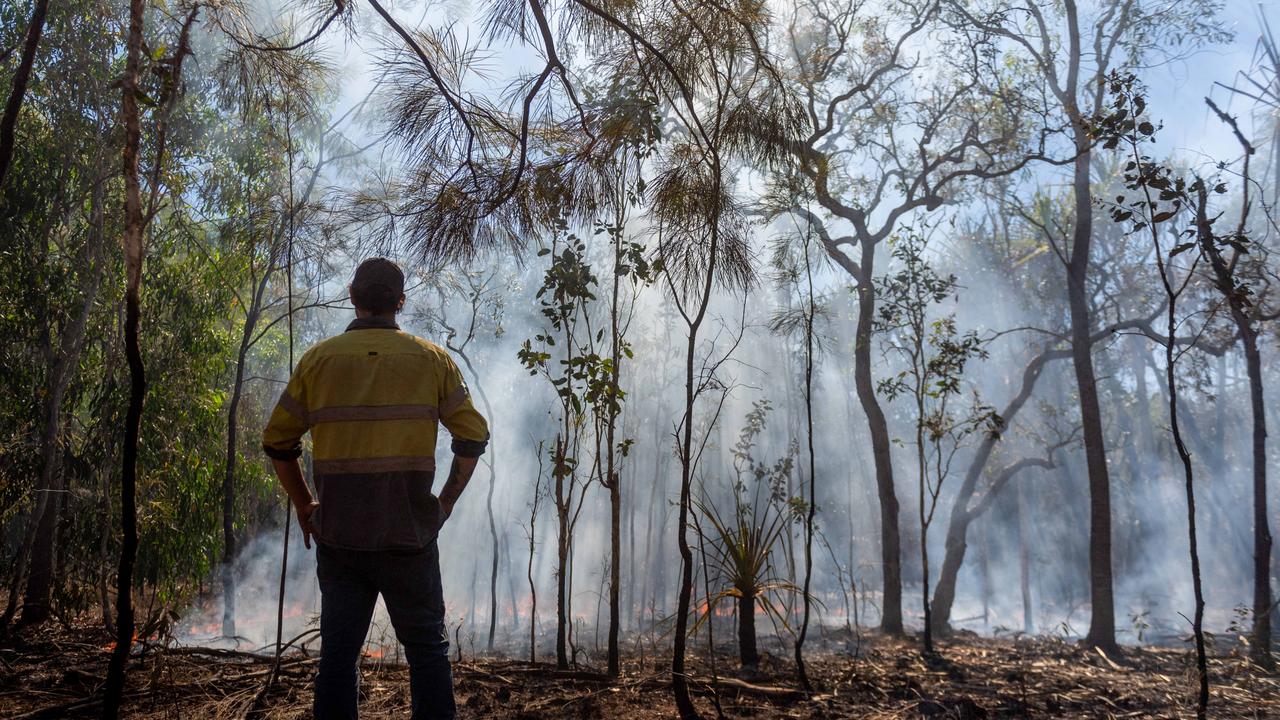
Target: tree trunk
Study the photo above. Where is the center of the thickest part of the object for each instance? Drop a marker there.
(228, 486)
(1171, 383)
(133, 250)
(611, 471)
(533, 589)
(615, 573)
(36, 552)
(801, 672)
(960, 518)
(104, 529)
(1262, 602)
(747, 652)
(562, 557)
(680, 683)
(890, 540)
(1024, 563)
(1102, 622)
(18, 91)
(493, 537)
(1263, 605)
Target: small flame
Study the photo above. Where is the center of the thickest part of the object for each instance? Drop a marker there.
(111, 646)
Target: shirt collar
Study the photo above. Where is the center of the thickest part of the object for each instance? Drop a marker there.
(373, 323)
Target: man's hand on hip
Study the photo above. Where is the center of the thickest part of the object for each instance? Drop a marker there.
(290, 474)
(304, 521)
(459, 475)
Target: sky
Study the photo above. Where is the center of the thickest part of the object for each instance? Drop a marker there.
(1178, 89)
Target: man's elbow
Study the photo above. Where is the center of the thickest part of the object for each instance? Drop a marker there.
(463, 447)
(275, 452)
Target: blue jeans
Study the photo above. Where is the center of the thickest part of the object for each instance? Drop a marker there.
(409, 581)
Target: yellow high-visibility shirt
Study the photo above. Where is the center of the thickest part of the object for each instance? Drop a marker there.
(373, 398)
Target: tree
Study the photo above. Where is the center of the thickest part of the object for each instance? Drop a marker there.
(935, 355)
(802, 322)
(1162, 196)
(854, 72)
(133, 248)
(630, 266)
(568, 288)
(1244, 314)
(1072, 55)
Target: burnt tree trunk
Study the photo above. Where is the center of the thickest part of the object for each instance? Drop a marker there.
(810, 310)
(1171, 383)
(1262, 601)
(748, 655)
(133, 250)
(562, 555)
(611, 470)
(1024, 563)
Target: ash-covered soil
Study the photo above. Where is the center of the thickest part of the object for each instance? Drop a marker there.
(55, 673)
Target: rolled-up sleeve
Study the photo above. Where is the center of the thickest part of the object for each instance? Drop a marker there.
(467, 426)
(282, 438)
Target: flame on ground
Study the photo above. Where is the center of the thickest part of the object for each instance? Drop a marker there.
(111, 646)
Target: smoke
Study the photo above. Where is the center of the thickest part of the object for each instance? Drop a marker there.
(1042, 516)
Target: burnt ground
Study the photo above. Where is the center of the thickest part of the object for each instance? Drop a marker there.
(55, 673)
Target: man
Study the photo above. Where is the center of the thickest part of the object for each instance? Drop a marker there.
(372, 399)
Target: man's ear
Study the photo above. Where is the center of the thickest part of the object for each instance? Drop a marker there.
(400, 305)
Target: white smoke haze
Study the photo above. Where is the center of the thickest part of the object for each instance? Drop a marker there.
(1046, 507)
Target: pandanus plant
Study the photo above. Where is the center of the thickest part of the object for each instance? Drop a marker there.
(740, 560)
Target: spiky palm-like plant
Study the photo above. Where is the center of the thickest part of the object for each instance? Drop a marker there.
(742, 559)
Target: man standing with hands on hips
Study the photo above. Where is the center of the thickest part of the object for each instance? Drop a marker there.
(372, 398)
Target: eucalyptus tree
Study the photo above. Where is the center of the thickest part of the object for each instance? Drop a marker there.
(1010, 245)
(134, 221)
(1070, 48)
(892, 134)
(632, 269)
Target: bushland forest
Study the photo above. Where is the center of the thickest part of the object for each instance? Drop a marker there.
(841, 358)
